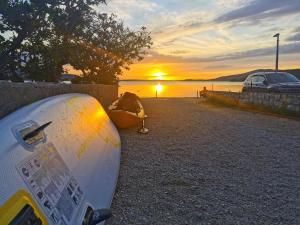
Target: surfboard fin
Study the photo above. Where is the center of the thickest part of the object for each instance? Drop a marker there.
(93, 217)
(36, 131)
(100, 215)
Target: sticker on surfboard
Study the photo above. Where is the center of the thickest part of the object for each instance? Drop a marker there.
(52, 184)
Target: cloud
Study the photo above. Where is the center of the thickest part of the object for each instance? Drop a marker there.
(182, 26)
(250, 13)
(284, 49)
(297, 30)
(216, 67)
(202, 31)
(261, 9)
(129, 10)
(294, 37)
(179, 52)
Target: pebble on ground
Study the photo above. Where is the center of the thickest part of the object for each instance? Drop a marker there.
(204, 164)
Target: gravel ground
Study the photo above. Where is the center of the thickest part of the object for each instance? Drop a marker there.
(205, 164)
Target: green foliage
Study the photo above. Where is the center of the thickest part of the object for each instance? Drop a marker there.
(39, 37)
(106, 48)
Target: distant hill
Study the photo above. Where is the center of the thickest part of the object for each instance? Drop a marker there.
(241, 77)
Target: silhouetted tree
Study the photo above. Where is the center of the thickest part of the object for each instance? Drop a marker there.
(19, 20)
(107, 48)
(38, 37)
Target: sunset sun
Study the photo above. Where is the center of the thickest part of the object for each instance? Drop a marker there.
(159, 75)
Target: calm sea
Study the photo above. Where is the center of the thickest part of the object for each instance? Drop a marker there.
(176, 88)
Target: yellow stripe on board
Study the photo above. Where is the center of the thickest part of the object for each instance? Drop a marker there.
(15, 204)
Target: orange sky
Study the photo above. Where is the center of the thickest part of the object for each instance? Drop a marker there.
(181, 71)
(203, 39)
(147, 70)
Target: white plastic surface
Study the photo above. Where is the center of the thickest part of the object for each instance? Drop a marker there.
(81, 146)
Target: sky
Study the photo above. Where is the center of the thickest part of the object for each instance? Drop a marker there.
(203, 39)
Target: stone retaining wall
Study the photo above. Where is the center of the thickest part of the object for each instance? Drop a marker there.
(274, 101)
(16, 95)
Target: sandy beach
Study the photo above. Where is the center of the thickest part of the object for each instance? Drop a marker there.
(204, 164)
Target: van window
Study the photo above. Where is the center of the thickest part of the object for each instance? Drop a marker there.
(281, 78)
(260, 79)
(254, 79)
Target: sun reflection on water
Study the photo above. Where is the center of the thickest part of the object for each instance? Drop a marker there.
(159, 88)
(165, 89)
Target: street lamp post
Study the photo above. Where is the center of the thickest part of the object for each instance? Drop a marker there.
(277, 52)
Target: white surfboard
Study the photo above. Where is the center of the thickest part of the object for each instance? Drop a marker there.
(60, 173)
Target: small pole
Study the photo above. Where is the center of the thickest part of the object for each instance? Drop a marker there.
(197, 94)
(212, 87)
(156, 94)
(277, 53)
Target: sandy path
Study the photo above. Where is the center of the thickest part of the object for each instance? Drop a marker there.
(209, 165)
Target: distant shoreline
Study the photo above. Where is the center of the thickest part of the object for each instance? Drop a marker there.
(176, 80)
(230, 78)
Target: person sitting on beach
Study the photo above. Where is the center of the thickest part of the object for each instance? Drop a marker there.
(203, 93)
